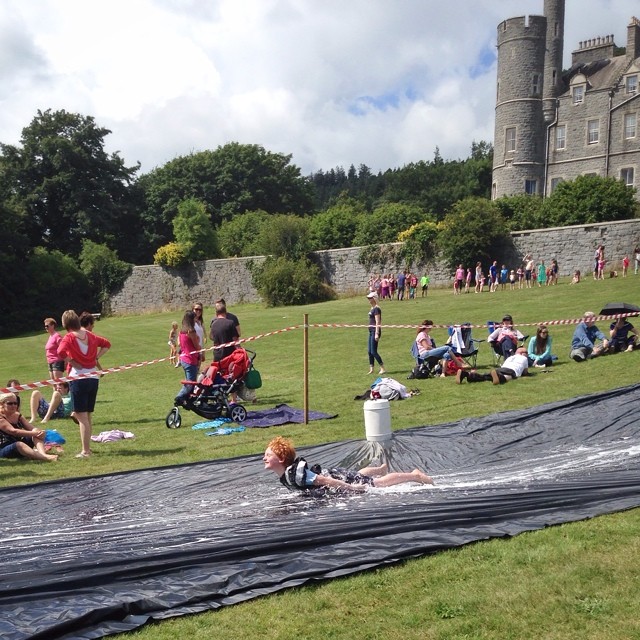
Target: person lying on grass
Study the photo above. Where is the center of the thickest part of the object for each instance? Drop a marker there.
(294, 473)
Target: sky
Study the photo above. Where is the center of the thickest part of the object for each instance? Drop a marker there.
(332, 82)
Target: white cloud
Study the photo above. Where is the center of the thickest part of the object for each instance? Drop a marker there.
(333, 83)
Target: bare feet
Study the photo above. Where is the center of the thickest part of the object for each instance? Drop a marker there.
(50, 457)
(43, 421)
(421, 477)
(382, 370)
(370, 370)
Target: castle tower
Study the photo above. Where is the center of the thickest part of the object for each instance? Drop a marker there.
(552, 85)
(519, 139)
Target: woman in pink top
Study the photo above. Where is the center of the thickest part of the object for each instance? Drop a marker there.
(56, 365)
(81, 349)
(189, 353)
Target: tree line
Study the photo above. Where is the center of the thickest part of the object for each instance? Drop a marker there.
(76, 218)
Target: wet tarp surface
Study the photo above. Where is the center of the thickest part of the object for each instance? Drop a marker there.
(85, 558)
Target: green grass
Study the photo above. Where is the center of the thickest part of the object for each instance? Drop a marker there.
(572, 581)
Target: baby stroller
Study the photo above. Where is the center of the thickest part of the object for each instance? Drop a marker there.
(209, 397)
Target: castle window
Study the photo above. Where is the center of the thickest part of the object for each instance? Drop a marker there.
(561, 137)
(631, 84)
(630, 122)
(535, 84)
(555, 78)
(578, 94)
(554, 183)
(626, 175)
(531, 187)
(510, 139)
(593, 131)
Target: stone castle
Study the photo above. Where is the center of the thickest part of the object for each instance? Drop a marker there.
(553, 125)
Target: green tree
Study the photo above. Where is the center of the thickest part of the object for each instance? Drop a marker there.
(193, 230)
(386, 222)
(474, 230)
(589, 199)
(56, 283)
(522, 211)
(230, 180)
(240, 236)
(435, 186)
(171, 254)
(419, 243)
(286, 236)
(282, 281)
(69, 187)
(13, 256)
(105, 271)
(336, 227)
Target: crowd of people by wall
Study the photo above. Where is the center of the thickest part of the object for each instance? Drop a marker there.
(506, 341)
(529, 273)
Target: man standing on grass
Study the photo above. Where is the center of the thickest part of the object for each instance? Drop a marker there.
(222, 331)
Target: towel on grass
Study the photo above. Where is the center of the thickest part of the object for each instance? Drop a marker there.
(280, 414)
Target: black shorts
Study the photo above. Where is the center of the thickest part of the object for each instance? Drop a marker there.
(58, 365)
(350, 477)
(84, 393)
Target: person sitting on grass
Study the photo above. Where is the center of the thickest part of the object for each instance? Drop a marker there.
(427, 350)
(61, 405)
(504, 338)
(513, 367)
(624, 336)
(19, 438)
(294, 473)
(583, 343)
(539, 350)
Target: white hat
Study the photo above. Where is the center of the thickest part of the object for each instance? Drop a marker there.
(372, 294)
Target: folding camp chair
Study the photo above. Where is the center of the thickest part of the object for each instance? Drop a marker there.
(495, 346)
(463, 343)
(497, 354)
(425, 366)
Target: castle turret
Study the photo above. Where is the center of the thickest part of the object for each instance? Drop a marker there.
(520, 128)
(552, 85)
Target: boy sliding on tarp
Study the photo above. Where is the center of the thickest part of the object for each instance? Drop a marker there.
(294, 473)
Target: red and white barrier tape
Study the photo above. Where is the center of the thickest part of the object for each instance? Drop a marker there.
(46, 383)
(125, 367)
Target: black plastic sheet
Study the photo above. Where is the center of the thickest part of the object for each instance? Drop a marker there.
(87, 558)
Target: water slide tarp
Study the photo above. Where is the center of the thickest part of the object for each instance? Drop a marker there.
(86, 558)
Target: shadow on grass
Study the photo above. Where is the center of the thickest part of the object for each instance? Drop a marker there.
(128, 422)
(267, 400)
(148, 453)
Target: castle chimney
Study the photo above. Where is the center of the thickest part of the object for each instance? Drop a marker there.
(633, 39)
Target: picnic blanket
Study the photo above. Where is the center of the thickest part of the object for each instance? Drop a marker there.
(280, 414)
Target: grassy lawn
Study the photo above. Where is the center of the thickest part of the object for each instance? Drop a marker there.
(572, 581)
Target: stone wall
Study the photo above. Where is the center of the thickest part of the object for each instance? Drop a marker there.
(153, 288)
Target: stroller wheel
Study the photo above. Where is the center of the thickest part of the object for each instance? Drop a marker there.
(238, 413)
(174, 419)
